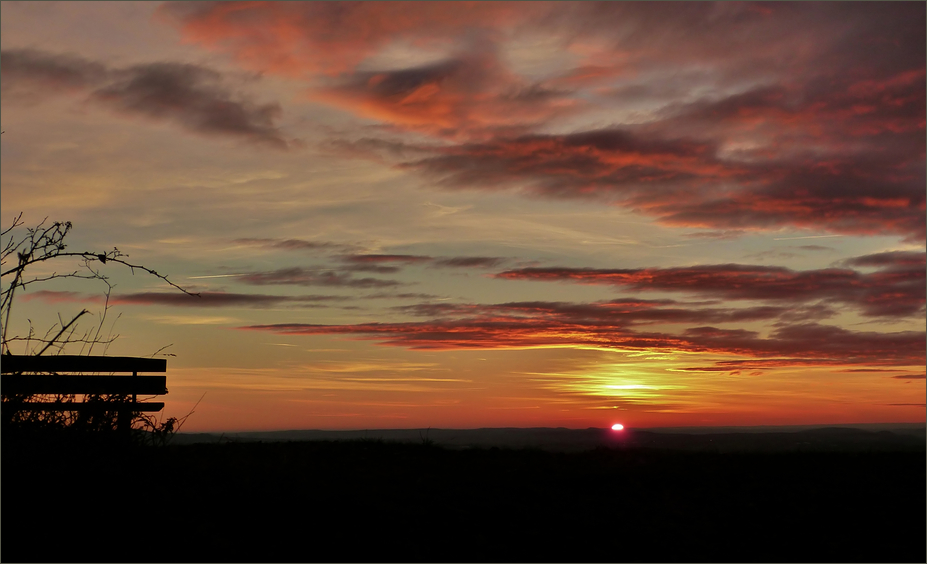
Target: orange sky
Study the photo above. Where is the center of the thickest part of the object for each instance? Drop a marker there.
(463, 215)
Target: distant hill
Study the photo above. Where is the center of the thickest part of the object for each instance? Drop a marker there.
(719, 439)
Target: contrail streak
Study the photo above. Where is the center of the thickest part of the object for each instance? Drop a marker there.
(808, 237)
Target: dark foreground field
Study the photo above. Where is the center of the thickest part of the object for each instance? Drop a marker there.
(370, 500)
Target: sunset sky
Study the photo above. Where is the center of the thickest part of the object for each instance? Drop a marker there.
(463, 215)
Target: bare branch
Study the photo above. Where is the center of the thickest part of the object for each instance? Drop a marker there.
(63, 329)
(154, 354)
(17, 221)
(111, 256)
(44, 243)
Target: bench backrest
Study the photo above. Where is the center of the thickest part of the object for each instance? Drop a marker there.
(71, 363)
(27, 375)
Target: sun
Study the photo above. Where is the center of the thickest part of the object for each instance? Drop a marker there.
(617, 427)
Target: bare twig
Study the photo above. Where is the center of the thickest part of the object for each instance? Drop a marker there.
(44, 243)
(161, 349)
(63, 329)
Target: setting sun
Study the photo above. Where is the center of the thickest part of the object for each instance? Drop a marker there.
(617, 427)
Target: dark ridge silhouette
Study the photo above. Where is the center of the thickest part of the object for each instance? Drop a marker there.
(720, 439)
(378, 500)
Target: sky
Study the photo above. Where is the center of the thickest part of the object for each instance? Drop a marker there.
(491, 214)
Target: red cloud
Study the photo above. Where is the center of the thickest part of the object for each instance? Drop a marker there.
(618, 324)
(460, 98)
(299, 37)
(813, 343)
(898, 289)
(686, 182)
(607, 162)
(466, 93)
(615, 313)
(296, 38)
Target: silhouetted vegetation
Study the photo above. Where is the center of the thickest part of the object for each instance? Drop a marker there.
(21, 250)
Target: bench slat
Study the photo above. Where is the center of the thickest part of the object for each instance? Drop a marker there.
(80, 406)
(74, 363)
(65, 384)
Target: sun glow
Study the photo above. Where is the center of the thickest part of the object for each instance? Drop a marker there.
(617, 427)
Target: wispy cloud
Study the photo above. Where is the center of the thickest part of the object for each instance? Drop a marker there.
(910, 376)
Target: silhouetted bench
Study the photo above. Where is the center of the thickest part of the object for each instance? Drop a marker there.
(25, 376)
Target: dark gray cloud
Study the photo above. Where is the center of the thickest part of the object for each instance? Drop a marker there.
(46, 72)
(221, 299)
(378, 263)
(401, 83)
(297, 244)
(610, 163)
(400, 296)
(299, 276)
(370, 262)
(891, 260)
(469, 262)
(377, 259)
(373, 268)
(194, 97)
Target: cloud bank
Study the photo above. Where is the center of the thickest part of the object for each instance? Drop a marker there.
(723, 116)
